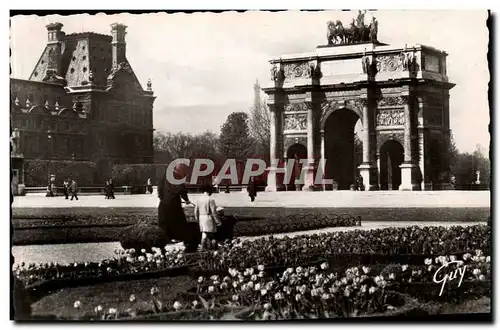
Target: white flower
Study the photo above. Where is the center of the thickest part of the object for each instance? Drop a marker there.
(226, 279)
(482, 277)
(453, 258)
(76, 265)
(377, 279)
(366, 270)
(109, 270)
(112, 311)
(263, 292)
(347, 292)
(154, 291)
(261, 274)
(177, 305)
(223, 286)
(195, 303)
(257, 286)
(333, 289)
(235, 284)
(488, 259)
(371, 290)
(428, 268)
(325, 296)
(391, 276)
(132, 251)
(363, 288)
(253, 277)
(476, 271)
(289, 271)
(260, 267)
(214, 277)
(211, 289)
(132, 298)
(143, 250)
(267, 306)
(298, 270)
(250, 285)
(77, 304)
(278, 296)
(302, 289)
(298, 297)
(466, 256)
(98, 309)
(428, 261)
(324, 265)
(479, 253)
(141, 258)
(404, 267)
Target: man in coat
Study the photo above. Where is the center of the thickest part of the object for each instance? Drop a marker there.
(73, 188)
(171, 217)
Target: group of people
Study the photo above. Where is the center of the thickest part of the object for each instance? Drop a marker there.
(70, 188)
(109, 189)
(172, 219)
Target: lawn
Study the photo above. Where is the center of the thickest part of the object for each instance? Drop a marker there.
(82, 225)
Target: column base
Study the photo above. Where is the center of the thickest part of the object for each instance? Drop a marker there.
(408, 177)
(368, 172)
(272, 182)
(309, 179)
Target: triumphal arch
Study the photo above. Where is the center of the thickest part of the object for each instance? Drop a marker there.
(399, 93)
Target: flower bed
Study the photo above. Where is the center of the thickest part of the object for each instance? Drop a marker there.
(276, 253)
(300, 250)
(126, 262)
(305, 293)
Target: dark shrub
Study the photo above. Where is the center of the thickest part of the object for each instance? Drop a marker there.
(143, 236)
(22, 304)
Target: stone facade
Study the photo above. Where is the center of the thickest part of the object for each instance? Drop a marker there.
(85, 93)
(400, 94)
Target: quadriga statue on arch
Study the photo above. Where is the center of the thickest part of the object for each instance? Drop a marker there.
(357, 32)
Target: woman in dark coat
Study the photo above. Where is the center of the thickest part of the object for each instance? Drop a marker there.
(252, 189)
(171, 217)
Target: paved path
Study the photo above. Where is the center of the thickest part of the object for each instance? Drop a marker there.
(95, 252)
(356, 199)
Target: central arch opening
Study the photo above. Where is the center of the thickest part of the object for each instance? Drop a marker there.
(343, 147)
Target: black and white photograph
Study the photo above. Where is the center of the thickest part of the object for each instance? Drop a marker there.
(251, 165)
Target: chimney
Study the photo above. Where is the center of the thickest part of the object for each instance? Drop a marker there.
(256, 100)
(118, 44)
(54, 45)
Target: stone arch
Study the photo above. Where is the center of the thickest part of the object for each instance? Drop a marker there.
(69, 113)
(332, 107)
(39, 110)
(391, 157)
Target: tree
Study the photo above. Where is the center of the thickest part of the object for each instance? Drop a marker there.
(235, 139)
(260, 127)
(170, 146)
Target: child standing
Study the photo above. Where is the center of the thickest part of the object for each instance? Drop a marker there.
(205, 212)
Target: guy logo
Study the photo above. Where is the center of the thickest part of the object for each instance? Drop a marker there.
(450, 276)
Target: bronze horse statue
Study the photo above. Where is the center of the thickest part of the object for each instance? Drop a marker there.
(357, 31)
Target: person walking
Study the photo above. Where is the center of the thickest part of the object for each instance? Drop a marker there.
(73, 188)
(205, 213)
(252, 189)
(66, 188)
(106, 190)
(171, 216)
(149, 186)
(111, 189)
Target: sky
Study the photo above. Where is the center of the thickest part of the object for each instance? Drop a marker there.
(203, 66)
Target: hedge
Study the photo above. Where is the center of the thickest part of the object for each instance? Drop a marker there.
(36, 171)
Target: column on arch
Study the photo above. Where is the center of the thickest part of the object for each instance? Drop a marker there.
(409, 167)
(276, 146)
(368, 168)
